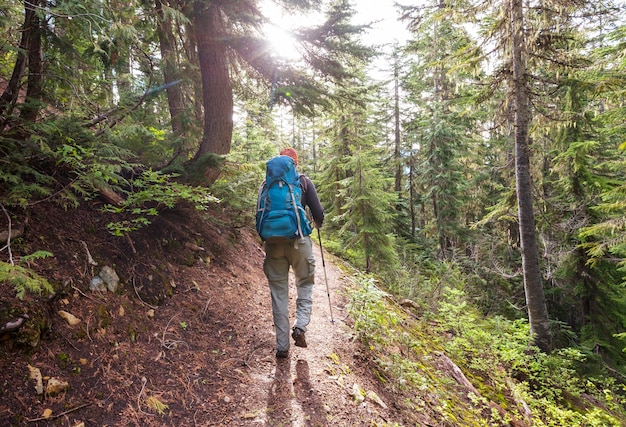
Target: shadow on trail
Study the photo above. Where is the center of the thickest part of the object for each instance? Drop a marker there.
(280, 395)
(294, 403)
(309, 399)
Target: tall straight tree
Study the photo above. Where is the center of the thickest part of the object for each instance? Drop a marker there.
(504, 26)
(533, 286)
(545, 41)
(527, 41)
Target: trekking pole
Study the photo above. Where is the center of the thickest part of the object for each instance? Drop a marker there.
(319, 236)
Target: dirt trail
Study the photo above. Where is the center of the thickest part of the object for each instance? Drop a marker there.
(316, 385)
(204, 357)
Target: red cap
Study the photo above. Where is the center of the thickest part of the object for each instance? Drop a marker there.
(291, 153)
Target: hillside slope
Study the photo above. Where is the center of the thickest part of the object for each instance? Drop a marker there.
(187, 339)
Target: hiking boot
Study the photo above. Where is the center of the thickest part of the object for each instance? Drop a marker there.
(298, 336)
(281, 354)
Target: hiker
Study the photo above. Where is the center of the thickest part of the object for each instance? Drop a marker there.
(292, 249)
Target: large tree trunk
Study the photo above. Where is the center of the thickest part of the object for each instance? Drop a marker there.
(217, 91)
(533, 287)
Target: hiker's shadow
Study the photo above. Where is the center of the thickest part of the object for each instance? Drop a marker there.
(280, 395)
(308, 397)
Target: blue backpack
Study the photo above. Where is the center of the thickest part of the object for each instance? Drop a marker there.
(280, 214)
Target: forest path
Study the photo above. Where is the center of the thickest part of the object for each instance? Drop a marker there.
(323, 384)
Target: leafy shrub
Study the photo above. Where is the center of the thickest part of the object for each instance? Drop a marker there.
(151, 192)
(494, 353)
(61, 160)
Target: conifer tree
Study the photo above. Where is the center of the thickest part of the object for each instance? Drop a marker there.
(533, 47)
(355, 178)
(587, 185)
(228, 36)
(441, 125)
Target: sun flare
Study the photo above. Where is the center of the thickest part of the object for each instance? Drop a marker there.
(281, 42)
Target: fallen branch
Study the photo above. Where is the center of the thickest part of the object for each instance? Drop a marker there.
(140, 300)
(457, 374)
(143, 386)
(89, 258)
(170, 344)
(83, 294)
(54, 417)
(521, 403)
(15, 324)
(8, 238)
(130, 242)
(111, 196)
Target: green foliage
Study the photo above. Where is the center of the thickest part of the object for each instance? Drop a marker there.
(21, 181)
(147, 143)
(35, 255)
(444, 156)
(493, 353)
(357, 188)
(239, 183)
(456, 169)
(23, 279)
(150, 193)
(61, 160)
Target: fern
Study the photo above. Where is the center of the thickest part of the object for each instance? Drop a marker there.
(24, 279)
(60, 159)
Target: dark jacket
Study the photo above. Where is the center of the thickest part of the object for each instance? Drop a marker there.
(311, 200)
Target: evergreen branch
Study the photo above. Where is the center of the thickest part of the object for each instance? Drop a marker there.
(146, 95)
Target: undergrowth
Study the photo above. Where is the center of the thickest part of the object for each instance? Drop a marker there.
(23, 280)
(514, 381)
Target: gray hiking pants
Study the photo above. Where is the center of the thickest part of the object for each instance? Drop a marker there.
(278, 258)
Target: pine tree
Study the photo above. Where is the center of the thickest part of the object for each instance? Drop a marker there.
(441, 126)
(355, 179)
(228, 35)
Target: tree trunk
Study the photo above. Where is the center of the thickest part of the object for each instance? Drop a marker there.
(10, 94)
(190, 45)
(217, 94)
(34, 87)
(397, 156)
(412, 198)
(533, 287)
(174, 93)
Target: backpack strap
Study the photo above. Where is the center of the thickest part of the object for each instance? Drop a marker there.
(295, 209)
(259, 197)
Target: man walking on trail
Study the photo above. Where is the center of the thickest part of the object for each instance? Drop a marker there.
(294, 251)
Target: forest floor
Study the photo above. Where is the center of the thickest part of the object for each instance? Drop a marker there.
(188, 338)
